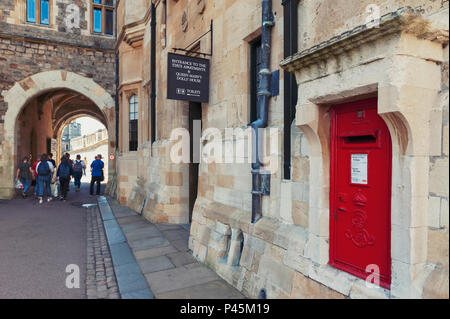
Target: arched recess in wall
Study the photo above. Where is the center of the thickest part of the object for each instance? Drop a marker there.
(50, 84)
(59, 126)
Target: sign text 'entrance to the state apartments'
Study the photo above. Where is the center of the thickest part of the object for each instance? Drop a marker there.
(187, 78)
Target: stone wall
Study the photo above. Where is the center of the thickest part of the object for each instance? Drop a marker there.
(88, 155)
(281, 252)
(286, 252)
(32, 123)
(228, 107)
(438, 211)
(21, 58)
(342, 15)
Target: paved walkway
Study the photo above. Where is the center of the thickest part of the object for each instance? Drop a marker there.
(37, 242)
(163, 256)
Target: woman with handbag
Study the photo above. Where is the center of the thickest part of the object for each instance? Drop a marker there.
(24, 173)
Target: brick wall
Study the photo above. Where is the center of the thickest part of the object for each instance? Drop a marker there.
(27, 49)
(20, 58)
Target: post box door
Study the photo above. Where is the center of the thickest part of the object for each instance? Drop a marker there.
(360, 193)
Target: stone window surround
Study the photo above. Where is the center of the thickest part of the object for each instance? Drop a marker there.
(133, 107)
(37, 6)
(21, 12)
(125, 93)
(389, 56)
(103, 7)
(248, 42)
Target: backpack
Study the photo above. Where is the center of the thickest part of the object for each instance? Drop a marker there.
(43, 169)
(77, 167)
(24, 171)
(64, 170)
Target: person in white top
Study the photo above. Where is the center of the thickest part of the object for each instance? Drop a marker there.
(45, 170)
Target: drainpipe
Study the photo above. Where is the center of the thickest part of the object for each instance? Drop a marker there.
(153, 74)
(117, 83)
(261, 179)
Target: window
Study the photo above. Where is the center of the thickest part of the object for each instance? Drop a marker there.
(133, 123)
(38, 11)
(255, 67)
(103, 16)
(49, 145)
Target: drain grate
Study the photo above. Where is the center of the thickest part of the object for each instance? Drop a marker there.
(88, 205)
(77, 204)
(83, 205)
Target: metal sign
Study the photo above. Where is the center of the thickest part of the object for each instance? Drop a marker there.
(187, 78)
(359, 169)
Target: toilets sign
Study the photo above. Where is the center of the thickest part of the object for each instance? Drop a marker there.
(187, 78)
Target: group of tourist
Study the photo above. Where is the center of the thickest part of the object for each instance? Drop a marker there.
(47, 176)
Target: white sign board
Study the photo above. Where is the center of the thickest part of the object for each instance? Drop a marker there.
(359, 168)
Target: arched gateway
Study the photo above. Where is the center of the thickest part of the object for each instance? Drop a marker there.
(57, 97)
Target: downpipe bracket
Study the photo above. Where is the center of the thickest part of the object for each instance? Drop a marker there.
(265, 183)
(270, 22)
(264, 93)
(265, 72)
(261, 182)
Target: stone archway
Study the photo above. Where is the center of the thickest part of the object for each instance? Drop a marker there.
(36, 85)
(61, 125)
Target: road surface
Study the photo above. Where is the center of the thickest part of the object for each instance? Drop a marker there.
(38, 242)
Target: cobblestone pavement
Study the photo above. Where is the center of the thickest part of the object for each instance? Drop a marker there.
(101, 281)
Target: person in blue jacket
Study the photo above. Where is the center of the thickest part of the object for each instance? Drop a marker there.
(97, 173)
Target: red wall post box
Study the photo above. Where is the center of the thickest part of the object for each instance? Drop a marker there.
(360, 192)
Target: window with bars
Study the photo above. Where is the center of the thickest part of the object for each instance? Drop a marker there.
(38, 11)
(133, 133)
(103, 16)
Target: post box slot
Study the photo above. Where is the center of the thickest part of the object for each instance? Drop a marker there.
(363, 137)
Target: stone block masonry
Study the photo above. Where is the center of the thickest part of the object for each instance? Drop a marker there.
(21, 58)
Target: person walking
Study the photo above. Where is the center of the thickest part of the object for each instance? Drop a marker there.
(97, 174)
(78, 167)
(35, 178)
(67, 155)
(53, 180)
(84, 168)
(45, 172)
(51, 160)
(24, 174)
(64, 174)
